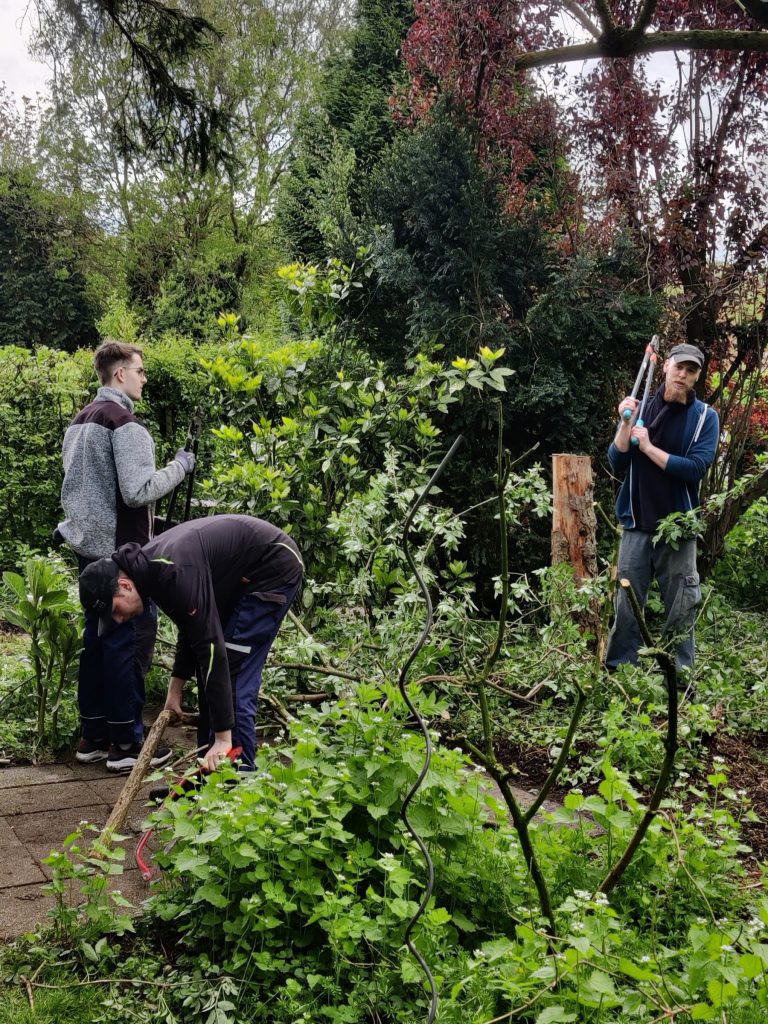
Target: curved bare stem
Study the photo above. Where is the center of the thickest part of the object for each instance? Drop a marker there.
(667, 665)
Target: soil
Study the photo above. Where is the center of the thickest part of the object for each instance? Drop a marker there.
(745, 757)
(746, 760)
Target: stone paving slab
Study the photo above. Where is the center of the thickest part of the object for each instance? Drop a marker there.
(6, 832)
(39, 799)
(35, 775)
(22, 908)
(54, 826)
(107, 790)
(40, 805)
(17, 867)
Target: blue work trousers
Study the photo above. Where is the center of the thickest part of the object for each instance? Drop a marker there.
(110, 686)
(640, 560)
(248, 635)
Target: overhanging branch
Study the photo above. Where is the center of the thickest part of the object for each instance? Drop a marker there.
(625, 44)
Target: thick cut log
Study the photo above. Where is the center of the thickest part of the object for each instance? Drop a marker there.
(574, 531)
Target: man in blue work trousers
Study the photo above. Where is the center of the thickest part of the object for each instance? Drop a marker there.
(227, 582)
(662, 471)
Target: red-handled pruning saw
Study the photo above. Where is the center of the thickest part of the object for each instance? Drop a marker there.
(179, 788)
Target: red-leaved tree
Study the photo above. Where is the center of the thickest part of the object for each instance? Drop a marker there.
(676, 153)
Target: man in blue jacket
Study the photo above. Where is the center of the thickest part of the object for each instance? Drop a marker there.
(662, 473)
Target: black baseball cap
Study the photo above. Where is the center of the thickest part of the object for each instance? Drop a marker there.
(98, 585)
(687, 354)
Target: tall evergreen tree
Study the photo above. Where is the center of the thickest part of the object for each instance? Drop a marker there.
(44, 295)
(341, 141)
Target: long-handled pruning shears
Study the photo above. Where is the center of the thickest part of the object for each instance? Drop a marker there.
(647, 368)
(650, 350)
(179, 788)
(190, 445)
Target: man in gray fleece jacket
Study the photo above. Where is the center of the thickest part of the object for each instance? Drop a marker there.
(110, 486)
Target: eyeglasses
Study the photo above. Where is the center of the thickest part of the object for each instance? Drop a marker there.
(139, 370)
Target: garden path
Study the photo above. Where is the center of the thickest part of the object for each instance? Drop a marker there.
(40, 805)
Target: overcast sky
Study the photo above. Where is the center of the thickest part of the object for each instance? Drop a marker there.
(21, 74)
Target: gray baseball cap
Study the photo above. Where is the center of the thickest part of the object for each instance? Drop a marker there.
(687, 354)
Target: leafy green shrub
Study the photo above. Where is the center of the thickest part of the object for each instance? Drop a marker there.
(302, 439)
(176, 384)
(39, 393)
(43, 603)
(742, 572)
(286, 896)
(300, 880)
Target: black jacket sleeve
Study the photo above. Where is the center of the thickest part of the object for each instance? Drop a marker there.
(201, 648)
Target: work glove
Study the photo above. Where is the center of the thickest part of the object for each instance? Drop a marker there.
(187, 460)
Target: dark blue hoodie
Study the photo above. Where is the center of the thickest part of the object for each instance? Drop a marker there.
(687, 467)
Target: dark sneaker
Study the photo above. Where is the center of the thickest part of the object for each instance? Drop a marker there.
(123, 759)
(89, 751)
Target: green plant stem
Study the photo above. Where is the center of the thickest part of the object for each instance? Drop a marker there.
(559, 764)
(667, 665)
(488, 757)
(37, 661)
(499, 775)
(608, 521)
(502, 472)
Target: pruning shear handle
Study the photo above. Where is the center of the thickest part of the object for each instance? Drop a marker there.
(646, 392)
(650, 353)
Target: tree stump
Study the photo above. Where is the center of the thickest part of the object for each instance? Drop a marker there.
(574, 526)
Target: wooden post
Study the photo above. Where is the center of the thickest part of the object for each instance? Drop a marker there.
(574, 528)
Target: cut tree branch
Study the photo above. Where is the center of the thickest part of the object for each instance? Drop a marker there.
(605, 17)
(644, 17)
